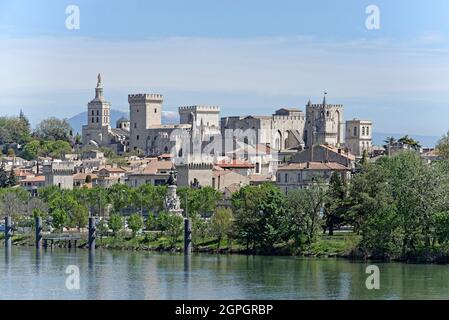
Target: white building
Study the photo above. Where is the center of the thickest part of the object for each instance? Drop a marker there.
(359, 136)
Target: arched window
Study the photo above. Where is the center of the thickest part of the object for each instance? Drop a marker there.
(363, 131)
(367, 131)
(355, 131)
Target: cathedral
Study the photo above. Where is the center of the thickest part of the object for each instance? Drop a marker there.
(98, 131)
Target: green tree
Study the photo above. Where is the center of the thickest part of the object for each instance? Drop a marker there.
(115, 223)
(221, 224)
(305, 207)
(443, 146)
(119, 195)
(260, 213)
(442, 227)
(54, 129)
(58, 148)
(172, 226)
(406, 140)
(336, 206)
(38, 213)
(14, 130)
(151, 223)
(32, 150)
(59, 218)
(135, 223)
(11, 153)
(396, 202)
(12, 179)
(3, 176)
(78, 217)
(102, 229)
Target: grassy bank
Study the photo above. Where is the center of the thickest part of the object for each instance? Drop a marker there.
(338, 245)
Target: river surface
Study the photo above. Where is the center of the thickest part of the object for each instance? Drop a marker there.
(26, 273)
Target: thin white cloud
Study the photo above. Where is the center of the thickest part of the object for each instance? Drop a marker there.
(289, 65)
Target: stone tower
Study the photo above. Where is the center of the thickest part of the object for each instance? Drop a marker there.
(99, 109)
(359, 136)
(98, 117)
(145, 112)
(324, 124)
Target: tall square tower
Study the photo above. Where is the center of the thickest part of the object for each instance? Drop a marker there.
(358, 136)
(145, 112)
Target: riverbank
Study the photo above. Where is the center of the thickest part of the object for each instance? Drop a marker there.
(338, 245)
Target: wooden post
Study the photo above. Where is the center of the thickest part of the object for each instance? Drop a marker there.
(8, 232)
(187, 237)
(92, 233)
(38, 221)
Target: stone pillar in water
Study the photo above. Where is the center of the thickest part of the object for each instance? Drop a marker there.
(187, 236)
(38, 222)
(92, 233)
(8, 232)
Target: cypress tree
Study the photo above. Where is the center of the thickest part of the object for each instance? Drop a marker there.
(12, 179)
(3, 176)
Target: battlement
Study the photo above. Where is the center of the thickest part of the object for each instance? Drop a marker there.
(320, 105)
(197, 166)
(59, 168)
(200, 108)
(145, 97)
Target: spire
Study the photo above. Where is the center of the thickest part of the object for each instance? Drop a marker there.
(99, 88)
(324, 99)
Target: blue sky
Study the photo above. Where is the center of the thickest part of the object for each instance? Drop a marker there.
(249, 57)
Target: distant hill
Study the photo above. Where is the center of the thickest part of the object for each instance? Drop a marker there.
(77, 122)
(425, 141)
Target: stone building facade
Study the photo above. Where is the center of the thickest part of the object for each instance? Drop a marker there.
(359, 136)
(199, 174)
(282, 130)
(59, 174)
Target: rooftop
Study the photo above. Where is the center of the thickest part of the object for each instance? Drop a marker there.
(313, 166)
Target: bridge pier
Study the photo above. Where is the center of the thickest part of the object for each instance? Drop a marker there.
(187, 237)
(92, 233)
(38, 222)
(8, 232)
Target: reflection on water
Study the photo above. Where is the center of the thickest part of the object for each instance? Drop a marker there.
(28, 273)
